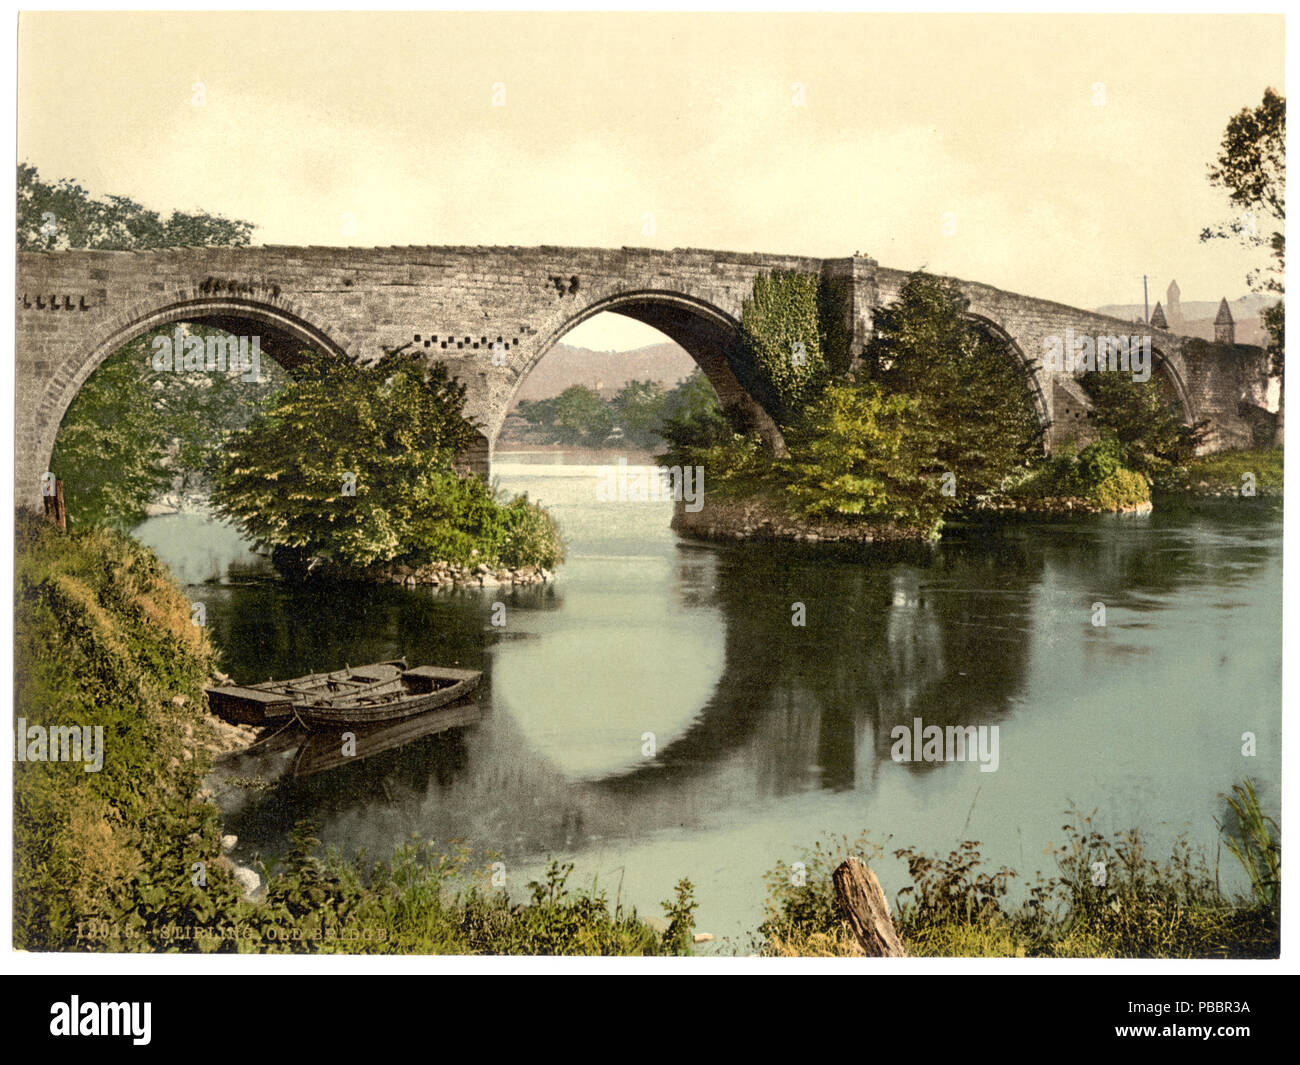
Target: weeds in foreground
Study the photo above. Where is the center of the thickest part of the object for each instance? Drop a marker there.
(1108, 899)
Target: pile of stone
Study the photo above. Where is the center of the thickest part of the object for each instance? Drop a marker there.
(478, 576)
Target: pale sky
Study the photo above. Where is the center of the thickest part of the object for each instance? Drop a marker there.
(1066, 155)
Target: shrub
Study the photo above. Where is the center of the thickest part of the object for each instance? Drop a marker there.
(854, 458)
(1093, 476)
(1108, 899)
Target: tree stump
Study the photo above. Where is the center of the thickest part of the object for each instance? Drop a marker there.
(863, 902)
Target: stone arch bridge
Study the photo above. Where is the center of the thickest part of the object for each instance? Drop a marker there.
(492, 313)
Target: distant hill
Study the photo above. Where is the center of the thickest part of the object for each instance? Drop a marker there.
(1198, 317)
(604, 371)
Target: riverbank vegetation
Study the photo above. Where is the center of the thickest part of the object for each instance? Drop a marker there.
(935, 423)
(935, 420)
(1109, 898)
(1229, 473)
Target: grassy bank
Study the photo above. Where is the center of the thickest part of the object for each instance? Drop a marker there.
(1226, 473)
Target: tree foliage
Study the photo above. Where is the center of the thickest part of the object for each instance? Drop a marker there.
(62, 214)
(974, 417)
(133, 433)
(692, 418)
(638, 409)
(1251, 166)
(1146, 424)
(854, 457)
(354, 464)
(577, 417)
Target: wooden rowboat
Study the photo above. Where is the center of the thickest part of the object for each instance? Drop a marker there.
(416, 691)
(274, 700)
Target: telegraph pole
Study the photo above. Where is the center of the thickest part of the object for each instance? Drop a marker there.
(1146, 303)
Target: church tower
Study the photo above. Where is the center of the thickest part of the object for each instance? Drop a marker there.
(1174, 307)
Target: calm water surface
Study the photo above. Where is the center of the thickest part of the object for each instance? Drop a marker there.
(767, 736)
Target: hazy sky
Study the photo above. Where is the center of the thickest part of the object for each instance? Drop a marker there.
(1060, 157)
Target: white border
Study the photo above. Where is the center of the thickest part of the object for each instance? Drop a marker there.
(225, 964)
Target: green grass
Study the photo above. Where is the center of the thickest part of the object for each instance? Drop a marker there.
(1224, 473)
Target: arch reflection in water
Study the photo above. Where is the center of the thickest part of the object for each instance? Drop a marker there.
(788, 733)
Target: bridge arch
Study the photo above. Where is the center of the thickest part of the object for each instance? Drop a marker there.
(1165, 371)
(283, 334)
(707, 333)
(1029, 368)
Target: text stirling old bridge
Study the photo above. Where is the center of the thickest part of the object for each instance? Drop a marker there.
(491, 314)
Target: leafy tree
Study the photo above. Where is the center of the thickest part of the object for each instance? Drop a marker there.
(577, 416)
(1146, 424)
(974, 417)
(132, 433)
(59, 215)
(1252, 167)
(111, 448)
(781, 333)
(692, 418)
(639, 410)
(355, 464)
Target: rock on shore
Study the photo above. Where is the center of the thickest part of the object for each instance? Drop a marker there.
(758, 520)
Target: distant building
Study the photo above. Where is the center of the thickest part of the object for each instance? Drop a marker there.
(1174, 307)
(1158, 320)
(1224, 328)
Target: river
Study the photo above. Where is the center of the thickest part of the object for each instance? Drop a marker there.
(654, 713)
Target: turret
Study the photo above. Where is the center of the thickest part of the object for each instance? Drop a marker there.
(1225, 331)
(1158, 318)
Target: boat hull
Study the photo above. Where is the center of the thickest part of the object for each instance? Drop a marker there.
(422, 689)
(272, 701)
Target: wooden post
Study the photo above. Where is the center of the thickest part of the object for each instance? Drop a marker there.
(867, 910)
(54, 509)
